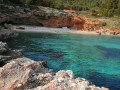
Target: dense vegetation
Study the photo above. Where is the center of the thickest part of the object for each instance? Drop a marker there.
(98, 7)
(68, 4)
(110, 7)
(101, 7)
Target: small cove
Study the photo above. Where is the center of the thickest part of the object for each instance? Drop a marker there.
(96, 58)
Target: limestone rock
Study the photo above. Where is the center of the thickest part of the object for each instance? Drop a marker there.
(25, 74)
(8, 26)
(7, 54)
(3, 47)
(6, 34)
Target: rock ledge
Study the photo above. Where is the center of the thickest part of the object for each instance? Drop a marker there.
(7, 54)
(25, 74)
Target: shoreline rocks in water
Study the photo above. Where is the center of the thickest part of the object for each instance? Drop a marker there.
(25, 74)
(6, 32)
(21, 73)
(7, 54)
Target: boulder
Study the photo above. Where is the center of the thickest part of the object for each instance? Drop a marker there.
(20, 27)
(7, 54)
(8, 26)
(3, 48)
(6, 34)
(25, 74)
(114, 32)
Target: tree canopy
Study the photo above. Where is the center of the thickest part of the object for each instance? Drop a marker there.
(102, 7)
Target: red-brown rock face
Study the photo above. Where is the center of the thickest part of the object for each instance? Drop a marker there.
(72, 22)
(27, 16)
(58, 22)
(77, 23)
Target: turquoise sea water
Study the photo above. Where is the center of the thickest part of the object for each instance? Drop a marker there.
(96, 58)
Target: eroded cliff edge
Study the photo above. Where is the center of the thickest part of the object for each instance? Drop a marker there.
(49, 17)
(40, 16)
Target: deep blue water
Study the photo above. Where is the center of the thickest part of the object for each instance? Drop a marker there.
(96, 58)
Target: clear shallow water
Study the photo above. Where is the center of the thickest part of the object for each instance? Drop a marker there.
(96, 58)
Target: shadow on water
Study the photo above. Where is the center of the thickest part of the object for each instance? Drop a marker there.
(42, 54)
(103, 80)
(110, 52)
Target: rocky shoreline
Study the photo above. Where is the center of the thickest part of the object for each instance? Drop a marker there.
(21, 73)
(7, 54)
(6, 32)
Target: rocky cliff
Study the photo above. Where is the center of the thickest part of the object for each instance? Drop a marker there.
(41, 16)
(48, 17)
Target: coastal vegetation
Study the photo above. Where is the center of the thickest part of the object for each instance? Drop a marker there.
(106, 8)
(98, 7)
